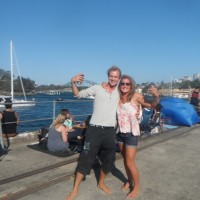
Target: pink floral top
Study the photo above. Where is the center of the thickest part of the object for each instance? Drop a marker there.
(127, 120)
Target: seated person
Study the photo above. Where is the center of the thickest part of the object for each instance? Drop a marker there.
(82, 127)
(156, 114)
(86, 123)
(74, 131)
(57, 135)
(68, 118)
(9, 119)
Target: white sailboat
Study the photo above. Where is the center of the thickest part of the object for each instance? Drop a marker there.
(16, 102)
(90, 97)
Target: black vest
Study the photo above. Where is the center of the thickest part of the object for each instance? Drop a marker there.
(8, 117)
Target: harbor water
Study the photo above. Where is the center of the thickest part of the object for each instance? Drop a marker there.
(47, 107)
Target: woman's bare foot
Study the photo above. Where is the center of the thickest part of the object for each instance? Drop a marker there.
(106, 189)
(134, 193)
(125, 186)
(71, 195)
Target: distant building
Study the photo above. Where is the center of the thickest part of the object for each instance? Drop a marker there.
(187, 78)
(196, 76)
(178, 80)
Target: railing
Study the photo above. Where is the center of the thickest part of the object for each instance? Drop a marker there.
(43, 113)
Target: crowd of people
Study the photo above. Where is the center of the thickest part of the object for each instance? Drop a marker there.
(63, 132)
(115, 117)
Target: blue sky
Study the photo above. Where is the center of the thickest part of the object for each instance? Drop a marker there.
(150, 40)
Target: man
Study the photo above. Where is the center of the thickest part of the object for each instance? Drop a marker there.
(100, 136)
(195, 96)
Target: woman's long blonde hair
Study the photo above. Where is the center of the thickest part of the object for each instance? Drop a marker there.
(59, 120)
(132, 87)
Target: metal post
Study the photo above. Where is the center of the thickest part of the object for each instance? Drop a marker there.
(54, 109)
(1, 137)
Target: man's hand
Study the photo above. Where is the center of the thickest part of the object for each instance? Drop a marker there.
(79, 78)
(153, 90)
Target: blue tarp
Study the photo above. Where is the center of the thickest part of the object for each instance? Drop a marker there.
(178, 112)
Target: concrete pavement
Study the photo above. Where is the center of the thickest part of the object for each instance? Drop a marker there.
(168, 164)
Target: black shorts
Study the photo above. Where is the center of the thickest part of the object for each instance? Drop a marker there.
(97, 140)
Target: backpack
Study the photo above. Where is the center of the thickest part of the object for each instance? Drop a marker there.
(43, 137)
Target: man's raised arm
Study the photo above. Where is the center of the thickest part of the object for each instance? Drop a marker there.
(79, 78)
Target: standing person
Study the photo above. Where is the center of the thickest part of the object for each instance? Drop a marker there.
(10, 120)
(100, 135)
(195, 96)
(129, 130)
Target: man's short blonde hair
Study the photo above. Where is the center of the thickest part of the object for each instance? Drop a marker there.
(114, 68)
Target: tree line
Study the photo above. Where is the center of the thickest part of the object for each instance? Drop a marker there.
(31, 87)
(5, 83)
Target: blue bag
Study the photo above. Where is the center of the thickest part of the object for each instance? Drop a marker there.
(178, 112)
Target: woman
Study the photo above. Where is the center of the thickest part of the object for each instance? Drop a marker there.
(10, 120)
(57, 135)
(129, 130)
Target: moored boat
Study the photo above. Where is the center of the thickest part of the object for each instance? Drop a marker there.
(15, 102)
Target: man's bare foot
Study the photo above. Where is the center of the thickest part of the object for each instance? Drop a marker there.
(106, 189)
(125, 186)
(71, 195)
(134, 193)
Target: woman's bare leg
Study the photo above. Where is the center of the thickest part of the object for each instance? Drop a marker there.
(126, 185)
(133, 174)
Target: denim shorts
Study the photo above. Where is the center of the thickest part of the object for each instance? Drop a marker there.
(127, 139)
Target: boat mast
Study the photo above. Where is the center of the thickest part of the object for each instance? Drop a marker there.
(171, 88)
(19, 73)
(11, 66)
